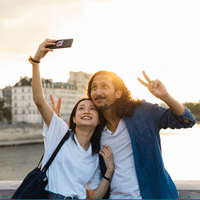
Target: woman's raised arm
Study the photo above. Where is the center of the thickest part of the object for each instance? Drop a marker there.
(38, 95)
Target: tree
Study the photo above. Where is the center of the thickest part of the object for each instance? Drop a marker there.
(195, 109)
(5, 113)
(1, 111)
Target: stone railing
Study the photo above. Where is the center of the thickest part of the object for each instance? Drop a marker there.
(187, 189)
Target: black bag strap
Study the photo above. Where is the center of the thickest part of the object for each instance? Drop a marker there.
(44, 169)
(39, 164)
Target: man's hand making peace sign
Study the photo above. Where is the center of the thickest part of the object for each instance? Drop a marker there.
(157, 88)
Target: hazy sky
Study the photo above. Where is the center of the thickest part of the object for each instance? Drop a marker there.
(161, 37)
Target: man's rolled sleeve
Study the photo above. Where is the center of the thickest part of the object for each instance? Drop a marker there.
(172, 120)
(188, 118)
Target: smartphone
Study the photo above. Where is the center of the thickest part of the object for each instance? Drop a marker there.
(61, 44)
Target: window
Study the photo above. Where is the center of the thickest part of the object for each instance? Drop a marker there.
(23, 111)
(15, 112)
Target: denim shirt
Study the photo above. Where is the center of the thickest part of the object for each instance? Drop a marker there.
(143, 127)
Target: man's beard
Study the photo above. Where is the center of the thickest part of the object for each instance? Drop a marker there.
(102, 104)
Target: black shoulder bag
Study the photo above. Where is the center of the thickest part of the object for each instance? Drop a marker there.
(32, 187)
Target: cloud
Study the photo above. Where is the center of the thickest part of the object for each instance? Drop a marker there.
(24, 23)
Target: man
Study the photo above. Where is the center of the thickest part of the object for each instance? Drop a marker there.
(132, 132)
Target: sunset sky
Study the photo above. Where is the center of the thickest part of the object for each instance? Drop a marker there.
(161, 37)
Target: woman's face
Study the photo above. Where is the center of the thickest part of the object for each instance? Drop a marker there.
(86, 114)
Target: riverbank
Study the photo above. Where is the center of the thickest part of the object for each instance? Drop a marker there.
(20, 134)
(32, 133)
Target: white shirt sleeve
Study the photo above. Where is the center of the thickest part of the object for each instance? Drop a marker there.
(95, 180)
(54, 133)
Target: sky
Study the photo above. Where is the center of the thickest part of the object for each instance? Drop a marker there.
(161, 37)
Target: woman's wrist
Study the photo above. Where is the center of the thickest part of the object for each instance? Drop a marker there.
(33, 60)
(105, 177)
(109, 173)
(36, 58)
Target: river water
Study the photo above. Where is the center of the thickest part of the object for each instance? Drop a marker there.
(180, 148)
(181, 153)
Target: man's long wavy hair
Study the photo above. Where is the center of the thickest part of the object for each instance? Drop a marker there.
(126, 104)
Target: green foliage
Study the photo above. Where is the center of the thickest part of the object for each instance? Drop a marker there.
(1, 104)
(5, 112)
(195, 109)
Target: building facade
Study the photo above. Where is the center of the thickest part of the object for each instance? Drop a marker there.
(24, 108)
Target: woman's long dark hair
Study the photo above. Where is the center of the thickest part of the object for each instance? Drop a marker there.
(95, 139)
(125, 105)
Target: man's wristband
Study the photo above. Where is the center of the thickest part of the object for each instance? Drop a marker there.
(32, 61)
(108, 179)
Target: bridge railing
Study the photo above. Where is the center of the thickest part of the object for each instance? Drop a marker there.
(187, 189)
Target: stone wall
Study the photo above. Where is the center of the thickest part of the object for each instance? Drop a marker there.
(187, 189)
(20, 134)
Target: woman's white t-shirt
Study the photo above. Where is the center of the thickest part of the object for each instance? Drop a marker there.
(73, 167)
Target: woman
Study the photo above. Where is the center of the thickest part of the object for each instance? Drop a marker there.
(77, 163)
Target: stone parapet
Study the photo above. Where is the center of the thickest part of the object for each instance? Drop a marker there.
(20, 134)
(187, 189)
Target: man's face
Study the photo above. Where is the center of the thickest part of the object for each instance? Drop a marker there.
(103, 92)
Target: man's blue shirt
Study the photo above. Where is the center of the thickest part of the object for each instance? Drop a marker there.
(143, 127)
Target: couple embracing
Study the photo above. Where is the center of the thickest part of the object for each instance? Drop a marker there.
(114, 149)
